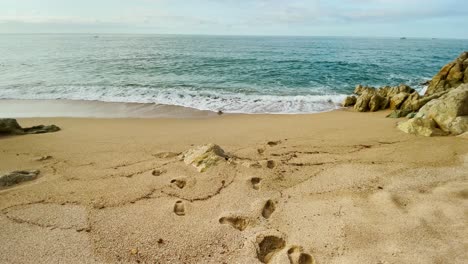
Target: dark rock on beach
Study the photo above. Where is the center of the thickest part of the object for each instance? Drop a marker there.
(9, 126)
(17, 177)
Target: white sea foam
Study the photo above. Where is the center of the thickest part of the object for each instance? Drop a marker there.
(203, 100)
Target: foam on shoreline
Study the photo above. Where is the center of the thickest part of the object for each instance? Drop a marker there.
(95, 109)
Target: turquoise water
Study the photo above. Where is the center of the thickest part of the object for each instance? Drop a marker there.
(233, 74)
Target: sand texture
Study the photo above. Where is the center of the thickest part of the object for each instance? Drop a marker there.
(337, 187)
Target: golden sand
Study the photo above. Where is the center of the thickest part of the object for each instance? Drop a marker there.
(337, 187)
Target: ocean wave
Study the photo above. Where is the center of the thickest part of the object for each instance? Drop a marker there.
(203, 100)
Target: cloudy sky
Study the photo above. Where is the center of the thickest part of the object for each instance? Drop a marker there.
(411, 18)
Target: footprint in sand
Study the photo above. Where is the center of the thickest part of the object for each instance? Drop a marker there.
(179, 208)
(255, 181)
(239, 223)
(179, 183)
(268, 247)
(296, 255)
(268, 209)
(270, 164)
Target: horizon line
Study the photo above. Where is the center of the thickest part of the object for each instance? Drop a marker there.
(226, 35)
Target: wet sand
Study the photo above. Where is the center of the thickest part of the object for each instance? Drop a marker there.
(337, 187)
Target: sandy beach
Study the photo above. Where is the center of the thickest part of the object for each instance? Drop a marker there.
(336, 187)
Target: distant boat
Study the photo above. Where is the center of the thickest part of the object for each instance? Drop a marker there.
(96, 36)
(402, 38)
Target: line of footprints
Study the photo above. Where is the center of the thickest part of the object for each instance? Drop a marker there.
(270, 244)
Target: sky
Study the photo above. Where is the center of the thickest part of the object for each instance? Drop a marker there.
(381, 18)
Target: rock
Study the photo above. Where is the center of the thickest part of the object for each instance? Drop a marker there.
(450, 76)
(349, 101)
(459, 125)
(17, 177)
(204, 157)
(398, 113)
(421, 126)
(388, 91)
(376, 102)
(362, 103)
(446, 109)
(360, 90)
(397, 100)
(411, 102)
(10, 126)
(465, 79)
(415, 105)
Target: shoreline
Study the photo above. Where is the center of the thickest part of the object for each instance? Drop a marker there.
(65, 108)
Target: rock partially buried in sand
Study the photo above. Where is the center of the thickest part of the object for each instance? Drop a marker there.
(17, 177)
(204, 157)
(9, 126)
(421, 127)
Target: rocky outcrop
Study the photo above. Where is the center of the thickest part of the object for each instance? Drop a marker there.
(10, 126)
(448, 114)
(17, 177)
(204, 157)
(450, 76)
(372, 99)
(349, 101)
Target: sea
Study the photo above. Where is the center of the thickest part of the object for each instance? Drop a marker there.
(233, 74)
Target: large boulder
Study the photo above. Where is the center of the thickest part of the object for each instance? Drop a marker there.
(17, 177)
(377, 102)
(362, 103)
(421, 127)
(349, 101)
(397, 100)
(450, 76)
(9, 126)
(445, 110)
(204, 157)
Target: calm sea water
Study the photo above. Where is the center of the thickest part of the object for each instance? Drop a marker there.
(233, 74)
